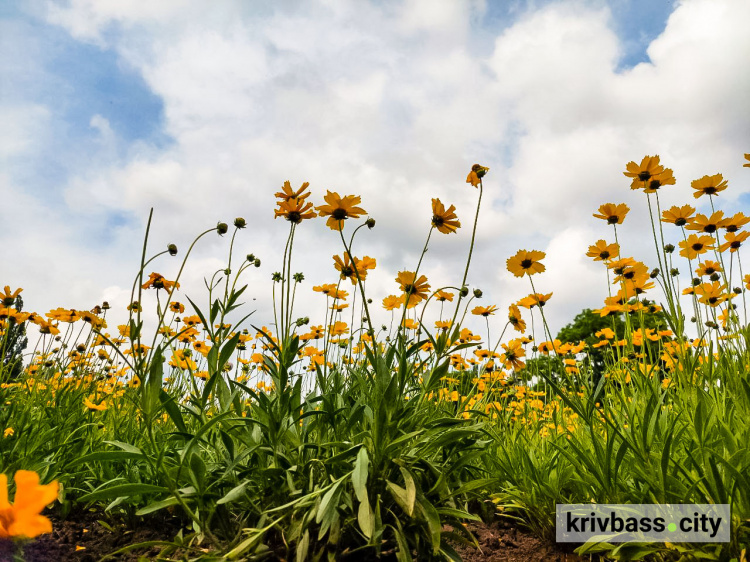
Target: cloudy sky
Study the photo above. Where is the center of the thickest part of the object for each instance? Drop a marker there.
(202, 110)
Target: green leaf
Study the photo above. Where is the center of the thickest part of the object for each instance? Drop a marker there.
(366, 518)
(433, 523)
(156, 506)
(123, 490)
(411, 490)
(233, 494)
(359, 475)
(327, 504)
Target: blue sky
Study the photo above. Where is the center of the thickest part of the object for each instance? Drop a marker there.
(201, 113)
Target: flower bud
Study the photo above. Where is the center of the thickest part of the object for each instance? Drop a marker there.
(276, 277)
(669, 248)
(696, 281)
(370, 222)
(714, 277)
(251, 258)
(239, 222)
(105, 305)
(464, 291)
(172, 249)
(222, 228)
(654, 273)
(256, 263)
(736, 291)
(674, 272)
(478, 293)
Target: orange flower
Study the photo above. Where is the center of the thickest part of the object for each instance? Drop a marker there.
(157, 281)
(525, 262)
(735, 222)
(349, 270)
(709, 185)
(707, 268)
(7, 297)
(476, 174)
(613, 214)
(484, 310)
(733, 241)
(747, 157)
(696, 245)
(656, 182)
(443, 296)
(678, 216)
(295, 210)
(514, 317)
(444, 220)
(414, 289)
(536, 299)
(601, 251)
(649, 168)
(22, 519)
(287, 193)
(709, 225)
(339, 209)
(392, 302)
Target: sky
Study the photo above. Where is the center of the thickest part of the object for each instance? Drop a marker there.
(202, 110)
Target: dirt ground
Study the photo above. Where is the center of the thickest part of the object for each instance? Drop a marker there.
(504, 542)
(83, 539)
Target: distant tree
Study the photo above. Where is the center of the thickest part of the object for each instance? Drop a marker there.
(12, 345)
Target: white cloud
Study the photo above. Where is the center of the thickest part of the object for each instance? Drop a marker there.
(392, 102)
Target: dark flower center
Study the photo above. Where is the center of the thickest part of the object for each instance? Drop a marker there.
(526, 264)
(709, 228)
(709, 190)
(604, 254)
(408, 289)
(437, 220)
(680, 222)
(613, 219)
(294, 217)
(644, 176)
(654, 184)
(697, 247)
(736, 244)
(347, 271)
(732, 228)
(339, 214)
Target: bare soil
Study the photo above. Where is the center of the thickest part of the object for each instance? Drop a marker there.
(82, 538)
(498, 542)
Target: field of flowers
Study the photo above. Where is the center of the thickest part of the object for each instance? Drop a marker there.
(338, 438)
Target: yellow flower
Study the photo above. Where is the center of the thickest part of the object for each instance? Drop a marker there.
(484, 310)
(21, 519)
(287, 193)
(415, 290)
(709, 185)
(339, 209)
(514, 317)
(649, 168)
(613, 214)
(157, 281)
(9, 431)
(526, 262)
(295, 210)
(92, 406)
(601, 251)
(695, 245)
(7, 297)
(476, 174)
(678, 216)
(444, 220)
